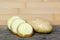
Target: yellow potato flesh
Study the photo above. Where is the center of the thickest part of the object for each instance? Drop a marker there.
(15, 25)
(25, 30)
(11, 20)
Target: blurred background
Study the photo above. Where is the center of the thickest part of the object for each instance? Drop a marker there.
(46, 9)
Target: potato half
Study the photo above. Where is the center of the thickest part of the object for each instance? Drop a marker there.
(25, 30)
(15, 25)
(11, 20)
(40, 25)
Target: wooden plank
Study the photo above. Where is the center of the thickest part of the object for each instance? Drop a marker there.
(51, 0)
(38, 11)
(51, 5)
(12, 0)
(57, 19)
(6, 17)
(34, 0)
(3, 22)
(8, 11)
(12, 4)
(43, 0)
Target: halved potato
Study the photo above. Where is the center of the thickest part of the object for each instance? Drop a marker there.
(15, 25)
(10, 21)
(25, 30)
(40, 25)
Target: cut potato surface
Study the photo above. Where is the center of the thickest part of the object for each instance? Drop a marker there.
(40, 25)
(11, 20)
(25, 30)
(15, 25)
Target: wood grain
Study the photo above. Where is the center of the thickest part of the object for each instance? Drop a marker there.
(8, 11)
(39, 11)
(12, 4)
(43, 5)
(46, 9)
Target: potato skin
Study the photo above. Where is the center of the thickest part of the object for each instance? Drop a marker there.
(40, 25)
(24, 36)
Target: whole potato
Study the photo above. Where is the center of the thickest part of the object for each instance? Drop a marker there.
(40, 25)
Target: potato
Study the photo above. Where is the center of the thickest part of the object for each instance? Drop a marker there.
(10, 21)
(25, 30)
(15, 25)
(40, 25)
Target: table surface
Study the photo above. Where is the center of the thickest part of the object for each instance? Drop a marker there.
(5, 34)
